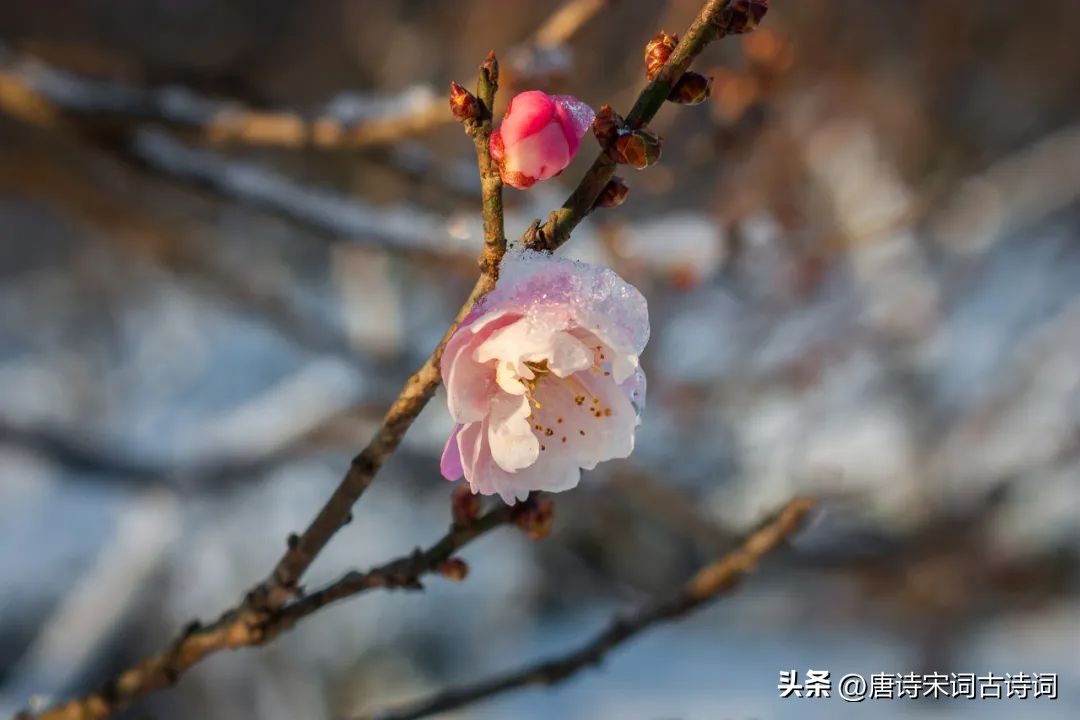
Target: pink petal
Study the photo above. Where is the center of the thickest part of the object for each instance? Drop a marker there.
(527, 114)
(450, 464)
(469, 383)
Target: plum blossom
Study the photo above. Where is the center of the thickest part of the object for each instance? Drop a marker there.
(539, 136)
(542, 377)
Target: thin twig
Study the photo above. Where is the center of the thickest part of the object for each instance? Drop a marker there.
(556, 231)
(711, 582)
(401, 573)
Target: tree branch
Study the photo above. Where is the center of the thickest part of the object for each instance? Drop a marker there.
(710, 583)
(556, 231)
(241, 625)
(240, 628)
(402, 573)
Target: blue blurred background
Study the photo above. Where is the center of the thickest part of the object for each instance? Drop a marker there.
(862, 259)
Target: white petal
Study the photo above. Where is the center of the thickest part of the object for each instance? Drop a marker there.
(612, 435)
(531, 340)
(513, 445)
(567, 355)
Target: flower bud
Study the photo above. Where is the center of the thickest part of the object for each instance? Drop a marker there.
(453, 568)
(741, 16)
(490, 69)
(535, 516)
(463, 104)
(657, 52)
(614, 193)
(539, 136)
(692, 89)
(607, 125)
(639, 149)
(464, 506)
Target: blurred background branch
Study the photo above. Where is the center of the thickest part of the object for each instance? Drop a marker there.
(708, 584)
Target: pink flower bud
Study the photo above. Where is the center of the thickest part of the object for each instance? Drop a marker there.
(539, 136)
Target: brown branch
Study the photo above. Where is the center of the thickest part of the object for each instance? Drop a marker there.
(243, 625)
(710, 583)
(418, 389)
(240, 628)
(404, 573)
(556, 231)
(490, 179)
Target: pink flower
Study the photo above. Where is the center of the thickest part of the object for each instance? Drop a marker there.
(539, 136)
(542, 378)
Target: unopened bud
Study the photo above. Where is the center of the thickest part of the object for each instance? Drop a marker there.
(464, 505)
(638, 149)
(607, 124)
(692, 89)
(453, 568)
(657, 52)
(490, 68)
(535, 516)
(614, 193)
(463, 103)
(741, 16)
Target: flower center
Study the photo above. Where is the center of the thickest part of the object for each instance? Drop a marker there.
(569, 393)
(540, 370)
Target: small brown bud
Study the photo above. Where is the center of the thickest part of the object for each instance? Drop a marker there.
(639, 149)
(464, 505)
(463, 103)
(607, 124)
(614, 193)
(490, 68)
(657, 52)
(692, 89)
(741, 16)
(535, 516)
(453, 568)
